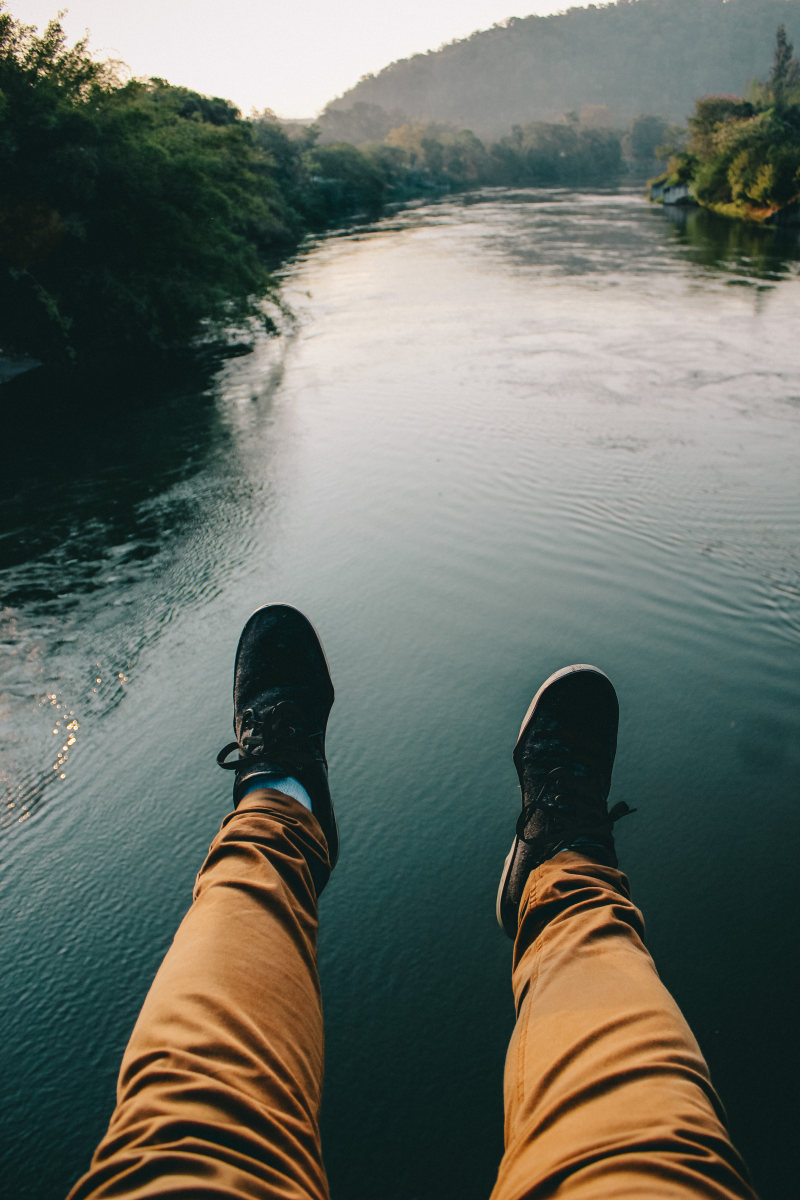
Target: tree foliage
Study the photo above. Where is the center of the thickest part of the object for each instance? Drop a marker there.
(784, 80)
(644, 138)
(742, 155)
(544, 153)
(129, 215)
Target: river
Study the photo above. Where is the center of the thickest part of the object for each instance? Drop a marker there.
(502, 433)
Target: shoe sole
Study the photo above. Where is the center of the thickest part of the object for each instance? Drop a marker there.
(302, 615)
(560, 674)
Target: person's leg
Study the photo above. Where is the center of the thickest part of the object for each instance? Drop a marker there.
(606, 1091)
(220, 1086)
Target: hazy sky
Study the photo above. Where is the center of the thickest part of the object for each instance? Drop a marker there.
(289, 55)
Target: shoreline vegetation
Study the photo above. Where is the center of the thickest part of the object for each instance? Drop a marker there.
(141, 221)
(139, 218)
(740, 156)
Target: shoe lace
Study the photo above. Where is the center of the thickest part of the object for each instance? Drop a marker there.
(573, 804)
(275, 730)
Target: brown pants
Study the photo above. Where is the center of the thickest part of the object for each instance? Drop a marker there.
(606, 1091)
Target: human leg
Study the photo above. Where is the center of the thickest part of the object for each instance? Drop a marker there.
(220, 1086)
(606, 1091)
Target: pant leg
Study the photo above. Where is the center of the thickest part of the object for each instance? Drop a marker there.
(607, 1095)
(220, 1086)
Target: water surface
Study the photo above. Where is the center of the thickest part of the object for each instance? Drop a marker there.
(504, 433)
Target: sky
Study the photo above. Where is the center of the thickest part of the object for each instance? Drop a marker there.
(288, 55)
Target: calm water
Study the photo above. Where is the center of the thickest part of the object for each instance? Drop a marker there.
(501, 435)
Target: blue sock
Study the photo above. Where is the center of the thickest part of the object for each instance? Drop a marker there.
(281, 783)
(583, 845)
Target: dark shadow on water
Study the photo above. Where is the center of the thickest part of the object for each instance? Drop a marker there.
(758, 254)
(84, 456)
(99, 489)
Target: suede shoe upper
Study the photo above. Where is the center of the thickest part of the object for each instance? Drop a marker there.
(564, 757)
(282, 696)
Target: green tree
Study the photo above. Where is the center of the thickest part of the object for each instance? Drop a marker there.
(742, 156)
(785, 75)
(344, 181)
(644, 137)
(131, 217)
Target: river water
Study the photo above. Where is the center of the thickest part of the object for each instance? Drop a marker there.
(502, 433)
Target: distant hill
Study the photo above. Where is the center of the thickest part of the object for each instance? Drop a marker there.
(618, 60)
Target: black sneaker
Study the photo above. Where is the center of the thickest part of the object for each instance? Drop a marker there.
(282, 695)
(564, 756)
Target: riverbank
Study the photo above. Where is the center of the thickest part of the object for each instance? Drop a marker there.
(669, 193)
(138, 216)
(740, 157)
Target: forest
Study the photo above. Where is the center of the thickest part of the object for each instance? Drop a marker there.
(631, 57)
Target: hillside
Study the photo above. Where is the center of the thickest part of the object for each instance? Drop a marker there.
(635, 56)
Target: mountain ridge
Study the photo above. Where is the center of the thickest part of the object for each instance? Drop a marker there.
(629, 57)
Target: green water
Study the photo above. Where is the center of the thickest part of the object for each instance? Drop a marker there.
(505, 433)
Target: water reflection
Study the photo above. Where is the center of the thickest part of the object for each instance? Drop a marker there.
(559, 233)
(759, 254)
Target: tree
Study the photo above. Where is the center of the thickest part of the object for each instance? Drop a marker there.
(785, 76)
(742, 157)
(131, 216)
(644, 137)
(344, 180)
